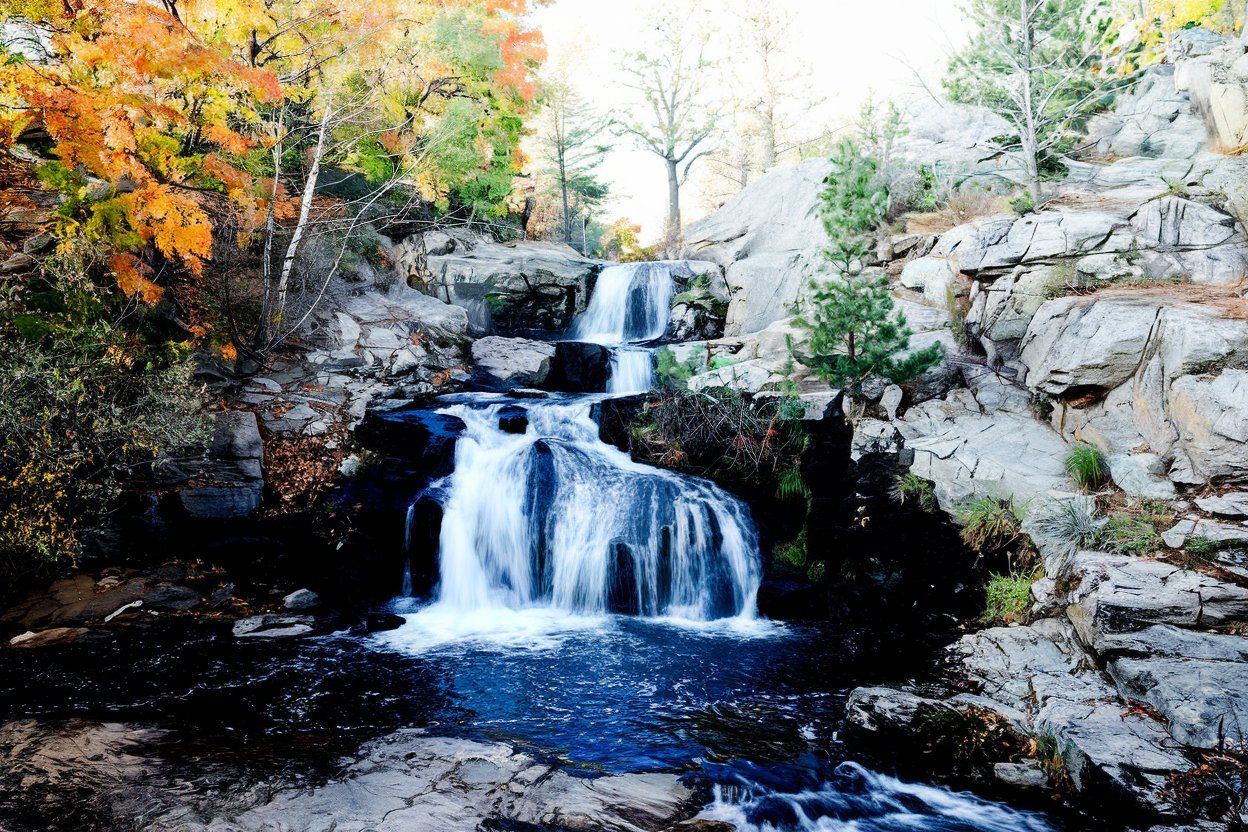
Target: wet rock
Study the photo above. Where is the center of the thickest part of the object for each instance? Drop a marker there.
(1025, 775)
(273, 625)
(171, 597)
(408, 781)
(236, 435)
(380, 622)
(513, 420)
(579, 367)
(301, 599)
(48, 637)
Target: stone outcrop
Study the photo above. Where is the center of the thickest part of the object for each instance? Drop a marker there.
(408, 780)
(1146, 373)
(510, 288)
(1217, 82)
(507, 363)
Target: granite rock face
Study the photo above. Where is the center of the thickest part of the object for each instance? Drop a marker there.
(405, 782)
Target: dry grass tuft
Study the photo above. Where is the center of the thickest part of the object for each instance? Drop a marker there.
(961, 208)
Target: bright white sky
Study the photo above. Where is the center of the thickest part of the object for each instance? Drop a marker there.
(852, 45)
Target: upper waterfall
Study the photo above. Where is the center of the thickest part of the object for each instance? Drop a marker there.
(631, 302)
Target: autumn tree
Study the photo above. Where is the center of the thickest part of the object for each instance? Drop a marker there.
(1037, 64)
(672, 76)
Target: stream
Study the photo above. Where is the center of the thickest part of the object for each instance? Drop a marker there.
(588, 608)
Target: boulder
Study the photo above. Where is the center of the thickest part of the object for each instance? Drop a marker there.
(272, 625)
(514, 287)
(236, 435)
(1197, 681)
(933, 276)
(1210, 414)
(505, 363)
(1119, 593)
(301, 599)
(966, 452)
(1216, 78)
(1153, 119)
(1002, 309)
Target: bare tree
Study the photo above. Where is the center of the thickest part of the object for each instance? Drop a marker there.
(781, 100)
(672, 75)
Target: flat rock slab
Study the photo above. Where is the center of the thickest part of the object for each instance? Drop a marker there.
(1118, 594)
(406, 782)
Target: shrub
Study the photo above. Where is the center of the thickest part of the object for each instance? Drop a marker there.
(989, 524)
(793, 553)
(674, 373)
(1125, 534)
(1007, 597)
(911, 488)
(1200, 547)
(718, 433)
(1086, 466)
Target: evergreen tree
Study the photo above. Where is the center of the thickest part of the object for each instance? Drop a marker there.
(853, 204)
(854, 333)
(569, 138)
(1037, 64)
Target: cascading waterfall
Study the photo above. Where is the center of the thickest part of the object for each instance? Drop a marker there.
(630, 305)
(555, 517)
(631, 302)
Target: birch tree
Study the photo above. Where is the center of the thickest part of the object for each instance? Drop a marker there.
(1036, 63)
(673, 75)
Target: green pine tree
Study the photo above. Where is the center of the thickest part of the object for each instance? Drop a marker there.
(854, 333)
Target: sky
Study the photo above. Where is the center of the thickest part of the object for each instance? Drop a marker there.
(851, 46)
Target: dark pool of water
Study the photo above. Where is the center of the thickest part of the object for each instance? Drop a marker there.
(754, 711)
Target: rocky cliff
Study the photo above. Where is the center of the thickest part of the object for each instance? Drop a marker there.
(1113, 317)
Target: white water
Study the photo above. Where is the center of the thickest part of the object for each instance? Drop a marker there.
(557, 518)
(632, 370)
(631, 303)
(859, 800)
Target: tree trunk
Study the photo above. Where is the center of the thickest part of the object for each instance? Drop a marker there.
(672, 234)
(563, 192)
(305, 210)
(1243, 30)
(1030, 137)
(769, 135)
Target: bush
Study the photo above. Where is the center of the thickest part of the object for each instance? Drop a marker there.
(719, 434)
(1086, 466)
(1007, 597)
(793, 553)
(92, 391)
(989, 524)
(674, 373)
(1124, 534)
(911, 488)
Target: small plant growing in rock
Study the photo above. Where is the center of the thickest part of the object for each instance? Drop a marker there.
(790, 484)
(793, 553)
(1007, 597)
(1200, 547)
(990, 525)
(911, 488)
(1124, 534)
(1086, 466)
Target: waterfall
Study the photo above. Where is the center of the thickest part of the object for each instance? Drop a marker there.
(631, 303)
(557, 518)
(632, 370)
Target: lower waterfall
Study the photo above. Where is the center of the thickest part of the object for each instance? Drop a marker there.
(554, 517)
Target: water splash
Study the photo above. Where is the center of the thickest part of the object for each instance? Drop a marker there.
(554, 517)
(756, 799)
(632, 370)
